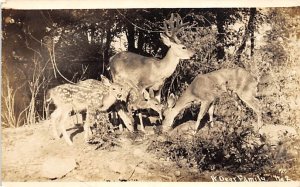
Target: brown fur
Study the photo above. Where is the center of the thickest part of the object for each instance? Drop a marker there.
(90, 95)
(206, 88)
(148, 72)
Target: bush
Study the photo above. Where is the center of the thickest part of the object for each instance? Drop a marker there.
(104, 135)
(234, 148)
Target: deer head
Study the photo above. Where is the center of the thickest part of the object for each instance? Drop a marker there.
(172, 27)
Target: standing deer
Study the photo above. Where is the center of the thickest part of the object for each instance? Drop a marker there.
(90, 95)
(148, 72)
(206, 88)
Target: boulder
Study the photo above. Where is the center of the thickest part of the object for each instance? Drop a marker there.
(276, 133)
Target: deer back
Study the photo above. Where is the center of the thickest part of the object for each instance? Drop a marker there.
(88, 93)
(213, 84)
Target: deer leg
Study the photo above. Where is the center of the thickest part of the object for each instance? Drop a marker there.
(158, 109)
(151, 93)
(160, 115)
(158, 96)
(121, 127)
(87, 125)
(126, 119)
(54, 118)
(63, 128)
(170, 115)
(115, 118)
(141, 122)
(203, 109)
(146, 94)
(54, 132)
(211, 114)
(253, 103)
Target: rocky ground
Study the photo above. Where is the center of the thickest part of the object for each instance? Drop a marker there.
(30, 154)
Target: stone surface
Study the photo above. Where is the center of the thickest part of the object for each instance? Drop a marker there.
(177, 173)
(55, 167)
(276, 133)
(118, 167)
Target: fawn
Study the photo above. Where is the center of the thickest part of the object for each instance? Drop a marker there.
(90, 95)
(206, 88)
(138, 101)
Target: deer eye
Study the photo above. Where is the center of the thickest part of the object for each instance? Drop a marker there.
(184, 47)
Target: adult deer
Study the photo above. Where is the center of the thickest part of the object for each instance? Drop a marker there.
(206, 88)
(148, 72)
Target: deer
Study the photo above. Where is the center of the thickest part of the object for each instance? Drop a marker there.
(149, 72)
(205, 88)
(90, 95)
(137, 102)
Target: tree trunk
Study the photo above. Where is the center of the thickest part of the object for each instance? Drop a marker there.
(249, 29)
(107, 45)
(93, 29)
(130, 37)
(221, 34)
(252, 14)
(141, 41)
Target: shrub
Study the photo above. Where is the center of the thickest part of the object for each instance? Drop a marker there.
(104, 135)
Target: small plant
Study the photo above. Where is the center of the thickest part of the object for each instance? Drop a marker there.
(28, 114)
(104, 136)
(9, 117)
(37, 82)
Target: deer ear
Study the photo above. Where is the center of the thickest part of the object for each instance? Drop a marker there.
(105, 80)
(165, 39)
(171, 100)
(151, 93)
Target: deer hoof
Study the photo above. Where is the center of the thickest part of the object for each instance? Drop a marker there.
(211, 124)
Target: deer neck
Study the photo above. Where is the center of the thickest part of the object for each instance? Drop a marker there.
(169, 63)
(184, 101)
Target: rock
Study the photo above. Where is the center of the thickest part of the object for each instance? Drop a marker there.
(177, 173)
(54, 167)
(125, 141)
(140, 170)
(138, 152)
(276, 133)
(119, 167)
(185, 130)
(97, 170)
(293, 153)
(80, 178)
(167, 164)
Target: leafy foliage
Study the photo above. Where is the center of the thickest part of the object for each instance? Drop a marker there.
(235, 149)
(104, 136)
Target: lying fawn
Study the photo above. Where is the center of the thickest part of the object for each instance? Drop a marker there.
(90, 95)
(206, 88)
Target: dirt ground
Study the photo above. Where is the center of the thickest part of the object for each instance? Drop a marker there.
(25, 149)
